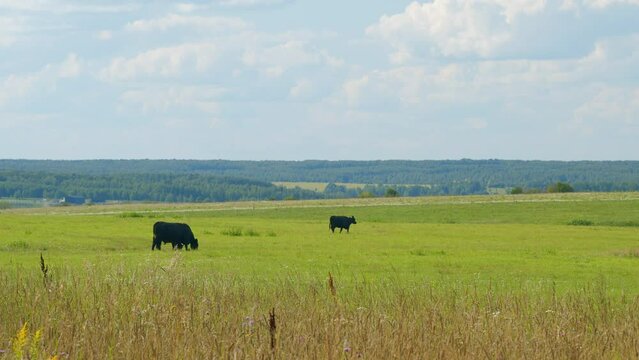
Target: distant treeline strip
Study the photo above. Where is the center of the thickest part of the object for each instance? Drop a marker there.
(583, 175)
(222, 180)
(143, 187)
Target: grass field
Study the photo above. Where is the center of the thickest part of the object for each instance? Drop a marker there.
(315, 186)
(531, 276)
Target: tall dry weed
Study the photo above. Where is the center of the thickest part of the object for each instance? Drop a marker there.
(143, 312)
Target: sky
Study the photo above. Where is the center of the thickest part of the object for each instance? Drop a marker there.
(333, 80)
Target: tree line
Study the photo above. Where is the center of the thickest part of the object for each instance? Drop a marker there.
(143, 187)
(595, 175)
(224, 180)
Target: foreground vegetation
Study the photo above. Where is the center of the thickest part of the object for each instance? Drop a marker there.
(165, 311)
(531, 276)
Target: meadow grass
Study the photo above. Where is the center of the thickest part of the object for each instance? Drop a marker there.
(314, 186)
(161, 310)
(455, 277)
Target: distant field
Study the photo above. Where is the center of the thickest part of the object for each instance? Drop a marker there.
(407, 260)
(315, 186)
(7, 203)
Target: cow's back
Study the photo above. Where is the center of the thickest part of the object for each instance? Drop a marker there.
(159, 229)
(342, 222)
(172, 231)
(339, 220)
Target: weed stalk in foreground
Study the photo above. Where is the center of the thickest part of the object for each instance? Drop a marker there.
(45, 270)
(272, 327)
(331, 284)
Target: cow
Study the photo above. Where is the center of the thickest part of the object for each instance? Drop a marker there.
(341, 222)
(179, 235)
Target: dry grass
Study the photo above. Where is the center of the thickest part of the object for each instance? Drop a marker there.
(315, 186)
(162, 311)
(153, 209)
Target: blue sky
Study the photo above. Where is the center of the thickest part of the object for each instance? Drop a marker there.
(299, 79)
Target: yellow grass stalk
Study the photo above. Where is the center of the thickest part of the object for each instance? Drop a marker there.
(20, 341)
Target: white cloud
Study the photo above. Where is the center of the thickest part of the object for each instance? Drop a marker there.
(286, 54)
(569, 5)
(250, 3)
(484, 28)
(418, 87)
(104, 35)
(354, 90)
(192, 7)
(209, 23)
(226, 42)
(273, 71)
(275, 60)
(64, 7)
(451, 27)
(163, 99)
(578, 5)
(10, 29)
(608, 108)
(187, 7)
(382, 90)
(71, 67)
(511, 9)
(162, 62)
(600, 4)
(21, 121)
(18, 86)
(401, 57)
(302, 89)
(476, 123)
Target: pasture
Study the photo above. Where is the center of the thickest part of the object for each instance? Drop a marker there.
(532, 276)
(315, 186)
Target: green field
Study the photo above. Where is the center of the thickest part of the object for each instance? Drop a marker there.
(254, 255)
(314, 186)
(503, 239)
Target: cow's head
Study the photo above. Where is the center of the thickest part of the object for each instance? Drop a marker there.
(195, 244)
(353, 220)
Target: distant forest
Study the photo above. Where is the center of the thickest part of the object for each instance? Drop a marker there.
(142, 187)
(224, 180)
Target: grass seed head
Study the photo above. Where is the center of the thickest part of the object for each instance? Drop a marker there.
(272, 326)
(331, 284)
(20, 341)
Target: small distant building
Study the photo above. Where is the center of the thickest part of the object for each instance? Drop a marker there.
(73, 200)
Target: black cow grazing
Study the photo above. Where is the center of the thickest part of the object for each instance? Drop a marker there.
(341, 222)
(179, 235)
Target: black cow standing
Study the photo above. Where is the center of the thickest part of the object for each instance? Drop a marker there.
(179, 235)
(341, 222)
